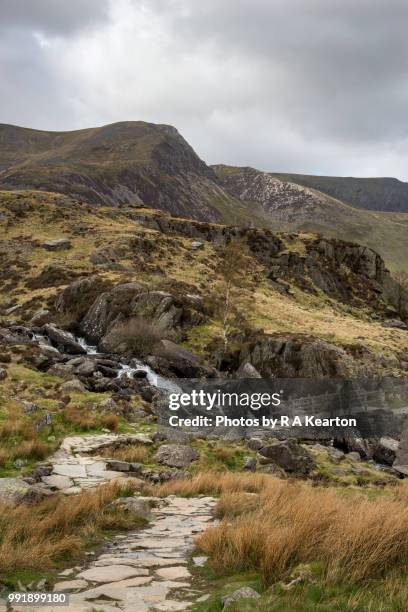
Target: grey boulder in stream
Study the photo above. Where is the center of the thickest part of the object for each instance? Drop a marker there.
(63, 339)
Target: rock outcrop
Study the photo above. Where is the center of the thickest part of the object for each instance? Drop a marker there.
(288, 455)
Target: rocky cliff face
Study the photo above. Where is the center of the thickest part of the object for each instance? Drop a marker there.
(382, 194)
(295, 206)
(342, 270)
(286, 201)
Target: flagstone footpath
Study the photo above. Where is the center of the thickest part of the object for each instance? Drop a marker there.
(139, 571)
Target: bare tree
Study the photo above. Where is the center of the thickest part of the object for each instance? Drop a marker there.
(235, 271)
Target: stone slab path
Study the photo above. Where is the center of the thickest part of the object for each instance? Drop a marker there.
(74, 470)
(145, 570)
(139, 571)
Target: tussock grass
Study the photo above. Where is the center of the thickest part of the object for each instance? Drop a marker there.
(79, 418)
(111, 421)
(42, 535)
(214, 483)
(133, 453)
(288, 523)
(31, 449)
(11, 428)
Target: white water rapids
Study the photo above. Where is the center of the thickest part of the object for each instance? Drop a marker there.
(125, 369)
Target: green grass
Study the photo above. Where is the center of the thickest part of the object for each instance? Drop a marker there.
(313, 595)
(219, 456)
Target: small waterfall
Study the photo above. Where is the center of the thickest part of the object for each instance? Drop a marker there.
(124, 369)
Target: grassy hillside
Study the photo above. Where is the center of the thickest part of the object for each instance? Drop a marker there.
(138, 162)
(119, 246)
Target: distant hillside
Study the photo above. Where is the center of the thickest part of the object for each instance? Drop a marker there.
(382, 194)
(135, 162)
(124, 162)
(290, 206)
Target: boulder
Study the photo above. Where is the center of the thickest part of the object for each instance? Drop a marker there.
(86, 368)
(395, 323)
(109, 404)
(118, 466)
(3, 374)
(335, 454)
(401, 459)
(141, 506)
(385, 451)
(249, 464)
(176, 360)
(196, 245)
(353, 456)
(12, 309)
(63, 370)
(73, 386)
(255, 443)
(247, 370)
(63, 340)
(176, 455)
(57, 245)
(15, 491)
(40, 317)
(242, 593)
(289, 455)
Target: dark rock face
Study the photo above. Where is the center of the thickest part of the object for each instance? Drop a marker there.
(345, 271)
(288, 455)
(297, 357)
(401, 459)
(108, 308)
(173, 360)
(169, 313)
(78, 297)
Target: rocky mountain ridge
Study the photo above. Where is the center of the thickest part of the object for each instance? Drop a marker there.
(384, 194)
(122, 163)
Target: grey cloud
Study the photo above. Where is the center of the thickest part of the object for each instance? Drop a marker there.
(297, 85)
(52, 16)
(338, 67)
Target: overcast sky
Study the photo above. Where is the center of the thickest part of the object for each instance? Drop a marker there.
(312, 86)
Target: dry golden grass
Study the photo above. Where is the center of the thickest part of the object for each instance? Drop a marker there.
(236, 503)
(31, 449)
(17, 427)
(39, 536)
(133, 453)
(290, 523)
(111, 421)
(78, 417)
(208, 483)
(222, 453)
